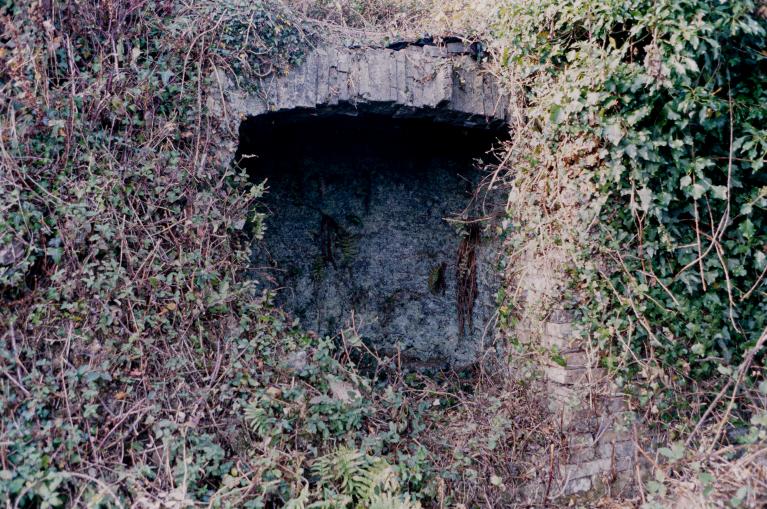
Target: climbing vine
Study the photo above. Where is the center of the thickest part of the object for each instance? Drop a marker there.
(647, 121)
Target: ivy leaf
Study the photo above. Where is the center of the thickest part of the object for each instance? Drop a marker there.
(719, 192)
(697, 191)
(165, 76)
(557, 114)
(645, 198)
(747, 229)
(613, 133)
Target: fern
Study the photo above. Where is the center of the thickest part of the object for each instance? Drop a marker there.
(390, 501)
(300, 501)
(262, 417)
(347, 468)
(355, 474)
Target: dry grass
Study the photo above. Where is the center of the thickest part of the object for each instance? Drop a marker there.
(379, 20)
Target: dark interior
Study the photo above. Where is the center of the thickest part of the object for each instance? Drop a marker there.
(376, 217)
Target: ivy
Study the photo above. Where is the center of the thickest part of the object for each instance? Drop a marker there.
(672, 97)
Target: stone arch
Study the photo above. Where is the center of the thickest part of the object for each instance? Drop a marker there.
(436, 83)
(417, 81)
(430, 103)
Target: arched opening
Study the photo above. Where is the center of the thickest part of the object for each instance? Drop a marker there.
(378, 218)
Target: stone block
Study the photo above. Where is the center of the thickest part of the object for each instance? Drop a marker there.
(561, 392)
(574, 486)
(560, 343)
(323, 77)
(586, 468)
(342, 86)
(559, 330)
(466, 90)
(573, 376)
(578, 440)
(309, 72)
(400, 78)
(614, 435)
(333, 77)
(614, 404)
(573, 359)
(623, 449)
(359, 78)
(580, 454)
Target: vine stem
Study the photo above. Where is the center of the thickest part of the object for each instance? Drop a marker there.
(742, 369)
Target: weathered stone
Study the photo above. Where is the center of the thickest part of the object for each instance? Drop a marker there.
(559, 330)
(621, 449)
(573, 359)
(586, 468)
(437, 83)
(581, 447)
(574, 376)
(574, 486)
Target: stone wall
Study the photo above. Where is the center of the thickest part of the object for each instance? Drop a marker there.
(597, 454)
(431, 82)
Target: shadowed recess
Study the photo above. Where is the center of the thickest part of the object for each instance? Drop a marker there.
(378, 219)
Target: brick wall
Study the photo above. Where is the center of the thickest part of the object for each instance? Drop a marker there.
(596, 455)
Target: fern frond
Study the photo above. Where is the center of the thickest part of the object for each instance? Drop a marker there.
(300, 501)
(389, 501)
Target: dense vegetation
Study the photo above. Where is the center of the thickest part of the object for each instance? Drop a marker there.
(646, 121)
(655, 112)
(140, 366)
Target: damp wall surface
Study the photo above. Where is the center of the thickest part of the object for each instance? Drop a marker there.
(375, 218)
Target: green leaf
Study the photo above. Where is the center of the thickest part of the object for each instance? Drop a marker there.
(697, 191)
(719, 192)
(645, 198)
(675, 453)
(613, 133)
(747, 229)
(724, 370)
(557, 114)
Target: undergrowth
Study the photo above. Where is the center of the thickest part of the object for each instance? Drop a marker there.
(139, 365)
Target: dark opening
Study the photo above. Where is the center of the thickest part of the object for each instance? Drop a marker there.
(377, 217)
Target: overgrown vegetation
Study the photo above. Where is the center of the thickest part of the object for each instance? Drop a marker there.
(141, 368)
(139, 365)
(643, 155)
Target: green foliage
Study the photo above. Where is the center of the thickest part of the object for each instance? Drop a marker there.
(349, 478)
(139, 363)
(654, 112)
